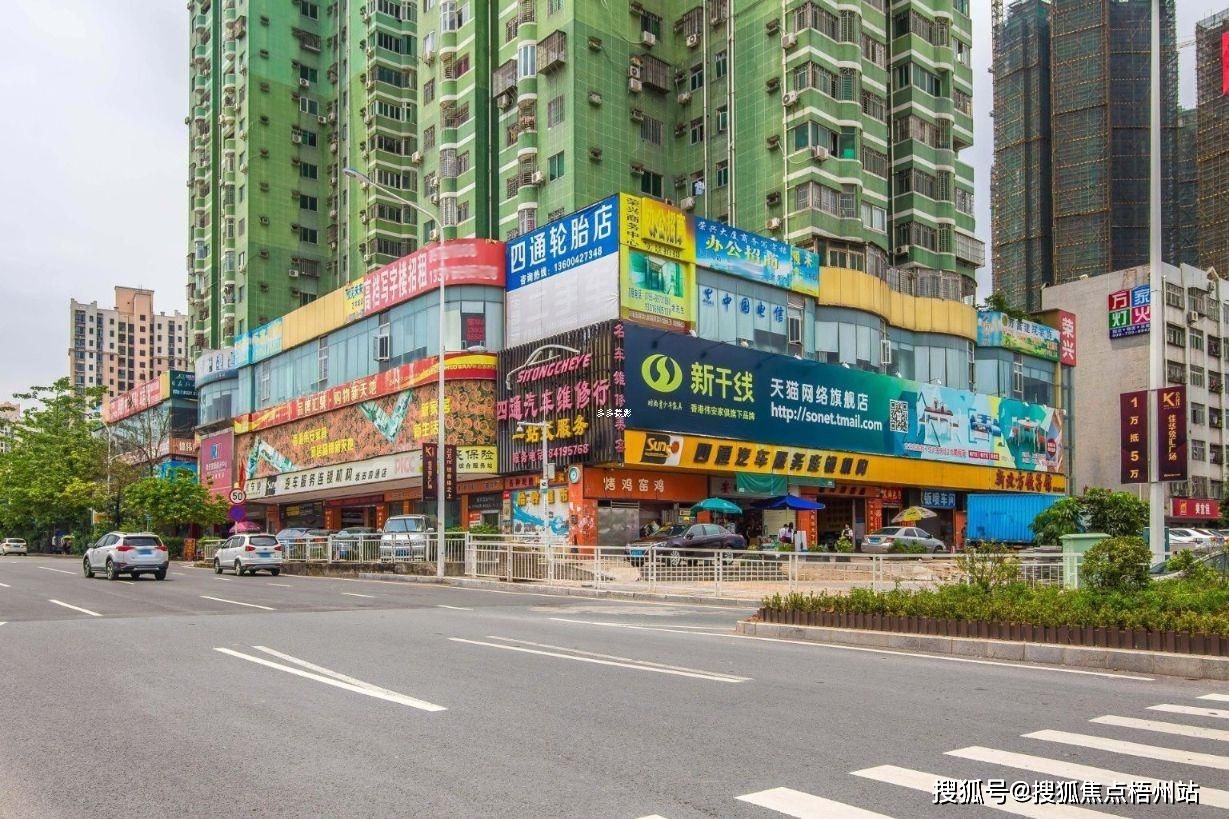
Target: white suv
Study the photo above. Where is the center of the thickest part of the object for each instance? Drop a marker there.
(131, 553)
(12, 546)
(248, 554)
(404, 537)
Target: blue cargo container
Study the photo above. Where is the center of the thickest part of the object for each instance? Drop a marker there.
(1005, 516)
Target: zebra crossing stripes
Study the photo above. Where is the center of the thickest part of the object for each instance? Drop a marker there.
(803, 805)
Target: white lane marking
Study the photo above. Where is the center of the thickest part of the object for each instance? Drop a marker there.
(622, 662)
(356, 594)
(282, 585)
(6, 585)
(2, 622)
(75, 608)
(61, 571)
(1071, 770)
(583, 653)
(653, 816)
(1216, 697)
(1191, 710)
(236, 602)
(1175, 728)
(670, 628)
(945, 658)
(454, 608)
(368, 690)
(806, 806)
(1134, 749)
(925, 782)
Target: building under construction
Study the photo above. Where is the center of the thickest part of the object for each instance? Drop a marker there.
(1212, 143)
(1098, 139)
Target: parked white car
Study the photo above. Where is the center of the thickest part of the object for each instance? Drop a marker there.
(248, 554)
(13, 546)
(404, 537)
(130, 553)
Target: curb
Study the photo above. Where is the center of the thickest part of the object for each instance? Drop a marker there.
(560, 591)
(1101, 659)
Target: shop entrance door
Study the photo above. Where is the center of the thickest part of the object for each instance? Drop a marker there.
(618, 525)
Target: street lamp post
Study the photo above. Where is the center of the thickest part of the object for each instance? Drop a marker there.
(521, 425)
(440, 509)
(1156, 341)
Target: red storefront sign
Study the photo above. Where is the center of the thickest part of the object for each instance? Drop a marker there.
(1133, 428)
(466, 261)
(1200, 508)
(457, 366)
(634, 484)
(890, 496)
(1171, 433)
(874, 514)
(1066, 338)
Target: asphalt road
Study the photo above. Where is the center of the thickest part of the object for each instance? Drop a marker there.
(296, 696)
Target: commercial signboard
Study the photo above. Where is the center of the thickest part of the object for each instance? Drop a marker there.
(216, 458)
(181, 384)
(657, 290)
(464, 261)
(678, 383)
(571, 384)
(384, 425)
(430, 471)
(1130, 311)
(1066, 338)
(938, 499)
(712, 454)
(655, 227)
(578, 238)
(757, 258)
(1197, 508)
(216, 365)
(643, 484)
(171, 384)
(997, 329)
(1171, 433)
(423, 372)
(398, 466)
(1133, 426)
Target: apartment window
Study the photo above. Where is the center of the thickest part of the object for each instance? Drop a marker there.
(428, 137)
(651, 130)
(875, 162)
(428, 91)
(462, 212)
(554, 111)
(1175, 335)
(463, 163)
(696, 81)
(392, 42)
(1214, 346)
(723, 119)
(322, 362)
(1195, 339)
(1199, 413)
(1196, 376)
(651, 23)
(308, 235)
(309, 10)
(723, 174)
(874, 51)
(554, 7)
(814, 196)
(874, 218)
(459, 68)
(526, 220)
(308, 171)
(810, 134)
(1174, 297)
(651, 183)
(308, 73)
(1199, 450)
(527, 60)
(308, 106)
(554, 166)
(308, 202)
(873, 106)
(696, 129)
(721, 64)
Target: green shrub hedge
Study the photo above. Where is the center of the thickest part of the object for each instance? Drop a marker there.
(1167, 606)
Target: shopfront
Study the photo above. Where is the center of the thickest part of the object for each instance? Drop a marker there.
(609, 506)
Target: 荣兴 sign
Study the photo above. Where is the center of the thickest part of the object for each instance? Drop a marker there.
(1130, 311)
(216, 459)
(1066, 338)
(566, 382)
(756, 258)
(215, 365)
(677, 383)
(1133, 426)
(1171, 433)
(398, 466)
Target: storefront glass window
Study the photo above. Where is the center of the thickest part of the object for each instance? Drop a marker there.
(731, 310)
(849, 337)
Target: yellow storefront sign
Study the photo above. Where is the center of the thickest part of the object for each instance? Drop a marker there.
(663, 449)
(648, 224)
(477, 460)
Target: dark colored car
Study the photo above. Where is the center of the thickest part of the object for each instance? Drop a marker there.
(348, 543)
(298, 540)
(672, 542)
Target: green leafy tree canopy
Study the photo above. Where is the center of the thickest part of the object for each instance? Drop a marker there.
(164, 504)
(1117, 514)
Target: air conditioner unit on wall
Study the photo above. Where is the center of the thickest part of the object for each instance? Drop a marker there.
(789, 98)
(693, 40)
(819, 153)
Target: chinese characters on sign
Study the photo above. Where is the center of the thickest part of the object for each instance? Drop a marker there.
(757, 258)
(1133, 423)
(562, 245)
(1066, 338)
(463, 261)
(1018, 481)
(430, 475)
(1171, 433)
(938, 499)
(1130, 311)
(1204, 508)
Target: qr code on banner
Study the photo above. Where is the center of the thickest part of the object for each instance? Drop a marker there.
(898, 416)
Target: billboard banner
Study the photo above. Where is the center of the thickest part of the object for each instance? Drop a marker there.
(1171, 433)
(757, 258)
(1198, 508)
(1130, 311)
(457, 366)
(216, 459)
(430, 473)
(465, 261)
(400, 466)
(216, 365)
(1133, 426)
(655, 227)
(1066, 338)
(996, 329)
(576, 239)
(570, 387)
(171, 384)
(678, 383)
(656, 290)
(380, 426)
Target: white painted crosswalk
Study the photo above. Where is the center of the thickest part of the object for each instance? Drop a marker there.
(1074, 790)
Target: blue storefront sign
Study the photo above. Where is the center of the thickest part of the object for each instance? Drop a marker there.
(566, 243)
(183, 384)
(678, 383)
(938, 499)
(758, 258)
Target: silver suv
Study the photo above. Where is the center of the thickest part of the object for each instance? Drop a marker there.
(131, 553)
(404, 537)
(248, 553)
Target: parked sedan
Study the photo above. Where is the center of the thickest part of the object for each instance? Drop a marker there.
(1188, 538)
(672, 542)
(348, 543)
(13, 546)
(882, 541)
(249, 553)
(131, 553)
(298, 541)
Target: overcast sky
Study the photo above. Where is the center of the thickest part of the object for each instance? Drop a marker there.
(95, 160)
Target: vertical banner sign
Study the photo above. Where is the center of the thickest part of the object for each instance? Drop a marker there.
(1066, 338)
(450, 472)
(1133, 423)
(1171, 433)
(430, 477)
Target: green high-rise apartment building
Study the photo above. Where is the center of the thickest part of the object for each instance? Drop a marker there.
(831, 127)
